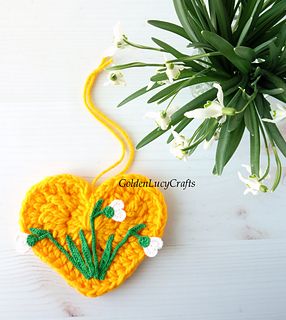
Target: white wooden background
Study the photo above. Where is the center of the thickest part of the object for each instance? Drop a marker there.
(225, 254)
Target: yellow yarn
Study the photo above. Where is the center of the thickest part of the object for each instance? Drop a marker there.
(113, 127)
(62, 204)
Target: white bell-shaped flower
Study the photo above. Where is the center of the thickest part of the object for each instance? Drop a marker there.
(118, 208)
(155, 245)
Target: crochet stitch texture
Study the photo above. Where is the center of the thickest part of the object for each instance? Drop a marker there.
(62, 204)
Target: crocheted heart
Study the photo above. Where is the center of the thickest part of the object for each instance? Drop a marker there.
(63, 204)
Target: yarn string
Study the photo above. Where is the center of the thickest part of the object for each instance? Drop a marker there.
(111, 125)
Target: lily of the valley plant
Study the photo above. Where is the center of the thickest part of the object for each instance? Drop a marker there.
(240, 62)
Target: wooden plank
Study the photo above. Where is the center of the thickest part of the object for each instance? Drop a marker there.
(218, 280)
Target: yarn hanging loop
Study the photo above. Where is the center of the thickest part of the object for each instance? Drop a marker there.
(118, 132)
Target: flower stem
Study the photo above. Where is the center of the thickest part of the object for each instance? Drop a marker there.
(131, 232)
(266, 147)
(139, 46)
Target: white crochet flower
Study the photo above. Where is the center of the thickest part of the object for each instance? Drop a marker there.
(154, 246)
(21, 244)
(119, 213)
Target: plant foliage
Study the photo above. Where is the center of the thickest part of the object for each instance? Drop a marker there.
(240, 45)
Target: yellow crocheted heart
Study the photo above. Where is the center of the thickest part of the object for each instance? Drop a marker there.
(62, 204)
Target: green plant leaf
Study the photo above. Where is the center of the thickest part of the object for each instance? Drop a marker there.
(237, 101)
(168, 48)
(106, 256)
(222, 18)
(133, 65)
(244, 31)
(227, 50)
(207, 127)
(179, 115)
(169, 27)
(185, 19)
(76, 256)
(269, 18)
(180, 127)
(245, 53)
(177, 86)
(252, 124)
(263, 107)
(200, 45)
(275, 82)
(248, 17)
(197, 57)
(276, 136)
(137, 94)
(86, 254)
(185, 73)
(227, 145)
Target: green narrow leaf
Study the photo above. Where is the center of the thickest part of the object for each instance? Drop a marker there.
(202, 19)
(244, 31)
(180, 127)
(171, 89)
(270, 18)
(197, 57)
(245, 53)
(237, 102)
(227, 145)
(208, 126)
(76, 256)
(248, 17)
(177, 86)
(205, 15)
(195, 103)
(276, 136)
(183, 15)
(169, 27)
(86, 253)
(133, 65)
(248, 120)
(200, 45)
(263, 45)
(227, 50)
(179, 115)
(150, 137)
(276, 82)
(185, 73)
(137, 94)
(272, 92)
(252, 124)
(222, 17)
(168, 48)
(106, 256)
(263, 108)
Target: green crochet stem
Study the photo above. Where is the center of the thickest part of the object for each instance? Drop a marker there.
(86, 260)
(95, 213)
